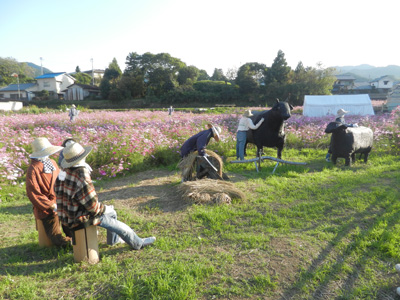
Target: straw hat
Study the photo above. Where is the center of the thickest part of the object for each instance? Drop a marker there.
(41, 147)
(73, 105)
(247, 113)
(216, 131)
(74, 154)
(341, 112)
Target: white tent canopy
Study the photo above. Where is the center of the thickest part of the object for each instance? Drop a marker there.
(318, 106)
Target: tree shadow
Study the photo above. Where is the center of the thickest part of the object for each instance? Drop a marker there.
(323, 276)
(13, 259)
(17, 210)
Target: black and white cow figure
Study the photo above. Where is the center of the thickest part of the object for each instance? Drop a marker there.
(271, 133)
(347, 141)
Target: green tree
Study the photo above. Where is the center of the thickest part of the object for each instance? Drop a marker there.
(249, 78)
(310, 81)
(77, 69)
(158, 71)
(203, 75)
(82, 78)
(188, 75)
(9, 65)
(218, 75)
(279, 71)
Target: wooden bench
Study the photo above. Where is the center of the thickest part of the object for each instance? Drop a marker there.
(85, 245)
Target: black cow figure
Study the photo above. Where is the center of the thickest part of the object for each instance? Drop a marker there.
(271, 133)
(347, 141)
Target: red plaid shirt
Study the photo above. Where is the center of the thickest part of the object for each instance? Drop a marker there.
(77, 201)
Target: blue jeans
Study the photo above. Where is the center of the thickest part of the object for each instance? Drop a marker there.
(240, 143)
(116, 228)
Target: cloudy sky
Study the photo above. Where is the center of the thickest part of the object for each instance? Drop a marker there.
(207, 34)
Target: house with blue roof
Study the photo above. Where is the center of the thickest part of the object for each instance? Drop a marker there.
(22, 91)
(55, 83)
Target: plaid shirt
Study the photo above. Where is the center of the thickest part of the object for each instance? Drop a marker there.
(77, 201)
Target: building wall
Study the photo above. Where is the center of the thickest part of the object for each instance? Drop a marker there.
(10, 105)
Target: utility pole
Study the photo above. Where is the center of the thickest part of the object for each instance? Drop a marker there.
(41, 64)
(92, 72)
(16, 75)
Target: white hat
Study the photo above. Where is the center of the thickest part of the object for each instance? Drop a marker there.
(216, 131)
(41, 147)
(74, 154)
(247, 113)
(73, 105)
(341, 112)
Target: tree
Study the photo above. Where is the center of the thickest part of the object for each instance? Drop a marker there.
(82, 78)
(277, 79)
(203, 75)
(158, 71)
(279, 71)
(77, 69)
(218, 75)
(9, 65)
(249, 77)
(188, 75)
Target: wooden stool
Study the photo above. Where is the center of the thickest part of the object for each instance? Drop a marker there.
(44, 240)
(85, 245)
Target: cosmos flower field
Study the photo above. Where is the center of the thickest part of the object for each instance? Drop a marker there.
(121, 139)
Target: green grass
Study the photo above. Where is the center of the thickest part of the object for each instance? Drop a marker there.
(306, 232)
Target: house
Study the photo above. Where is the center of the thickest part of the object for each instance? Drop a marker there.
(22, 91)
(96, 74)
(384, 83)
(323, 105)
(393, 99)
(79, 91)
(343, 84)
(55, 83)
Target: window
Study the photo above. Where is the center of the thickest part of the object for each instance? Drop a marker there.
(46, 84)
(385, 82)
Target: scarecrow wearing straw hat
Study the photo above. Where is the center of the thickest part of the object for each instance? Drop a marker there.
(73, 113)
(245, 123)
(204, 158)
(40, 180)
(78, 204)
(339, 121)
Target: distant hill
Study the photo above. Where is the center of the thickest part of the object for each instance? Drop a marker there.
(367, 72)
(38, 69)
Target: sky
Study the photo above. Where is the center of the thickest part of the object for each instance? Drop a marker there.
(207, 34)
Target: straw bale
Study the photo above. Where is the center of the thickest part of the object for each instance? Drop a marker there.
(209, 190)
(187, 165)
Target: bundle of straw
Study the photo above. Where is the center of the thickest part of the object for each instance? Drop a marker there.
(188, 164)
(209, 190)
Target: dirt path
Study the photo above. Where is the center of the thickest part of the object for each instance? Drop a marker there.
(153, 188)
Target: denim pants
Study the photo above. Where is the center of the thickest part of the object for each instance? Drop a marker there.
(240, 143)
(116, 228)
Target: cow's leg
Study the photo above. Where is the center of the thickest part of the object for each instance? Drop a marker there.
(348, 161)
(279, 153)
(334, 159)
(366, 154)
(353, 158)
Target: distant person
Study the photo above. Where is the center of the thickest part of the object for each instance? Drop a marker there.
(170, 110)
(78, 203)
(340, 121)
(73, 113)
(40, 181)
(199, 141)
(245, 123)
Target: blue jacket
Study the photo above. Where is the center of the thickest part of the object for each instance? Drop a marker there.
(197, 142)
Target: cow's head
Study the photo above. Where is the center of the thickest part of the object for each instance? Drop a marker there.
(283, 108)
(335, 127)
